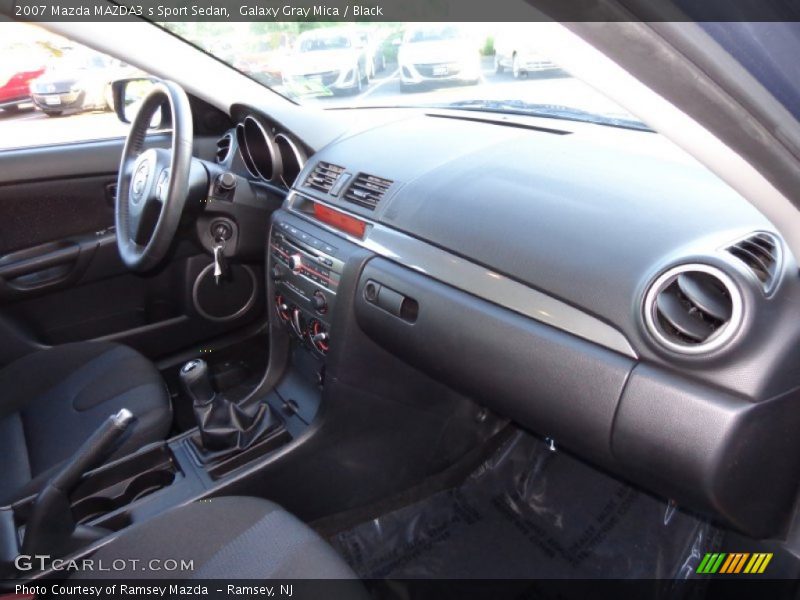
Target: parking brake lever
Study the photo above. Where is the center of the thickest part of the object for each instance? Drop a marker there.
(51, 528)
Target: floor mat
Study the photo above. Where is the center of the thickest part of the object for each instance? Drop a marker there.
(526, 513)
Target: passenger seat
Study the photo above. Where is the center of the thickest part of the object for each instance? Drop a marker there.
(226, 538)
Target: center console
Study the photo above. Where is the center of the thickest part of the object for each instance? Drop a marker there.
(306, 271)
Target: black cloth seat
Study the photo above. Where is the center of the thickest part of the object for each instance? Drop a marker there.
(226, 538)
(52, 400)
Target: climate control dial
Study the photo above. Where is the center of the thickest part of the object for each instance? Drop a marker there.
(298, 323)
(284, 310)
(318, 336)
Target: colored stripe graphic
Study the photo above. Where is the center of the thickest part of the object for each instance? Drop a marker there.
(758, 563)
(717, 563)
(732, 559)
(734, 563)
(741, 562)
(701, 568)
(711, 563)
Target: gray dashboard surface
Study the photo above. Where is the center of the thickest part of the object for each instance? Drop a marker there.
(585, 218)
(588, 215)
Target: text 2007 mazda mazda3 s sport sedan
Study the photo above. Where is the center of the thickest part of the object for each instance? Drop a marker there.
(534, 328)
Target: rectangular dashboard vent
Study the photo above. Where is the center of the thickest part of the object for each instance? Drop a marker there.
(761, 253)
(367, 190)
(224, 148)
(324, 176)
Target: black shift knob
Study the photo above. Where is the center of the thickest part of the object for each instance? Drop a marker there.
(222, 425)
(196, 382)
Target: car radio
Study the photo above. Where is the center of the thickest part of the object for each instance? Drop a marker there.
(306, 272)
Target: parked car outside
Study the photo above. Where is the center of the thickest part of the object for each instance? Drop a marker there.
(325, 62)
(266, 62)
(433, 53)
(80, 80)
(16, 74)
(516, 52)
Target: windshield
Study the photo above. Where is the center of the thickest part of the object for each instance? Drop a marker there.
(493, 67)
(431, 34)
(78, 61)
(319, 43)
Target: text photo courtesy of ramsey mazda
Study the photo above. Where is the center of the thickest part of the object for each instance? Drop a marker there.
(399, 301)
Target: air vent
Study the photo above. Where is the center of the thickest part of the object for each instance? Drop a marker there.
(224, 148)
(367, 190)
(761, 253)
(693, 309)
(324, 176)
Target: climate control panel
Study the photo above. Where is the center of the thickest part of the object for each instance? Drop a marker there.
(311, 330)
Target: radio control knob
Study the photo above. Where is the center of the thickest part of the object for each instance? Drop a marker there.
(319, 302)
(295, 262)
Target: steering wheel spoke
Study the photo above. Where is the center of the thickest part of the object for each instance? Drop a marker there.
(162, 186)
(144, 222)
(134, 221)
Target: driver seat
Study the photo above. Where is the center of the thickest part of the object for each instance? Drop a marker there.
(52, 400)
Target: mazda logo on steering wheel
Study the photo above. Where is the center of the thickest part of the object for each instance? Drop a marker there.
(139, 181)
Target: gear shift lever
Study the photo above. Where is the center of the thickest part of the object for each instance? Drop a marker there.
(196, 382)
(224, 426)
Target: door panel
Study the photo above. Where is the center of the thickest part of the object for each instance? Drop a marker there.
(82, 159)
(36, 212)
(46, 267)
(61, 277)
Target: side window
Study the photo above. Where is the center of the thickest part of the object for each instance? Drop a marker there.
(54, 90)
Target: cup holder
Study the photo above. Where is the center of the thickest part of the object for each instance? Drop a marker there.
(140, 486)
(118, 486)
(147, 484)
(86, 510)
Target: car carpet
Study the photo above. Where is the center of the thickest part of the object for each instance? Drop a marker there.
(530, 512)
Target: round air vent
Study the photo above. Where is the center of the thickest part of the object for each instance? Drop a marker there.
(693, 309)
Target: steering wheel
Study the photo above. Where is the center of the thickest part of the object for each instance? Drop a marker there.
(152, 184)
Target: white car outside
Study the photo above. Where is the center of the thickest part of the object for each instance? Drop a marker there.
(432, 53)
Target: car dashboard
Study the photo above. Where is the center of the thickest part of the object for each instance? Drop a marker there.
(590, 283)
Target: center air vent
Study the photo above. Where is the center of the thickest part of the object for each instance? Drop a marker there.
(324, 176)
(693, 309)
(367, 190)
(224, 148)
(761, 253)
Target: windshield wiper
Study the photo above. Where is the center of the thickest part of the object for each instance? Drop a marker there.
(549, 111)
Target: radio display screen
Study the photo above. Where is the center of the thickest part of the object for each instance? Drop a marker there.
(340, 221)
